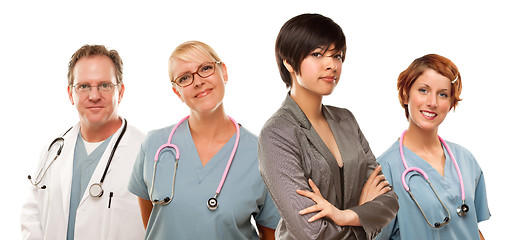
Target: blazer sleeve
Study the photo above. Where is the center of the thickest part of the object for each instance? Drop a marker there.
(282, 171)
(376, 214)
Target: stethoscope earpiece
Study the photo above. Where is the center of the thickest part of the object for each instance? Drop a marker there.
(445, 221)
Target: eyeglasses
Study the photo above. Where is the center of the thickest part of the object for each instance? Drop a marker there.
(84, 88)
(204, 70)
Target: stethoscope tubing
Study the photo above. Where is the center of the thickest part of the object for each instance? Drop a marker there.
(39, 178)
(169, 144)
(61, 138)
(408, 169)
(98, 191)
(114, 149)
(456, 167)
(220, 185)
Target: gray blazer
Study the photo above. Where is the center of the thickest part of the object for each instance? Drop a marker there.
(291, 152)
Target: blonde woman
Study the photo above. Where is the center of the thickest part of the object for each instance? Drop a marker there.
(205, 183)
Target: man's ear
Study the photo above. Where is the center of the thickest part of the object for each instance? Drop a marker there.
(121, 93)
(70, 94)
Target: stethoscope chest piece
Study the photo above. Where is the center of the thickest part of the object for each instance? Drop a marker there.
(212, 203)
(463, 209)
(96, 190)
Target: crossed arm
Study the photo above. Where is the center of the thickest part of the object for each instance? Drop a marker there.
(376, 185)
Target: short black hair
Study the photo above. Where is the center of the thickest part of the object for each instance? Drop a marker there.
(301, 35)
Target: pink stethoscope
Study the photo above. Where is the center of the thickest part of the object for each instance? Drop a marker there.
(212, 203)
(461, 210)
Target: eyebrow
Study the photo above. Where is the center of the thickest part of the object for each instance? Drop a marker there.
(428, 86)
(88, 83)
(323, 51)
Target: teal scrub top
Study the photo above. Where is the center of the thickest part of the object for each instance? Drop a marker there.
(84, 166)
(187, 217)
(410, 223)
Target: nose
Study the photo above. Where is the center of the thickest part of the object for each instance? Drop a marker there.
(330, 64)
(197, 80)
(432, 101)
(94, 94)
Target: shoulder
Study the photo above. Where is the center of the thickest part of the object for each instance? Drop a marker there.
(159, 132)
(457, 148)
(340, 114)
(391, 155)
(247, 143)
(391, 163)
(281, 117)
(247, 136)
(461, 154)
(157, 136)
(282, 122)
(246, 151)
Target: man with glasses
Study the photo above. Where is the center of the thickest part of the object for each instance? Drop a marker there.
(80, 187)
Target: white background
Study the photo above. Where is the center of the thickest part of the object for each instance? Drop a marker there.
(383, 37)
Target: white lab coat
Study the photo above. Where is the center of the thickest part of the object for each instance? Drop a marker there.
(45, 214)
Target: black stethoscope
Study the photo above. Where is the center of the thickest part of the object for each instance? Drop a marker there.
(59, 139)
(96, 189)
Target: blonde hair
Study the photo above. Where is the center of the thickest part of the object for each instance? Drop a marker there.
(187, 52)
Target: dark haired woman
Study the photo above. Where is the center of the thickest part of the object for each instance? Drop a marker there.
(314, 158)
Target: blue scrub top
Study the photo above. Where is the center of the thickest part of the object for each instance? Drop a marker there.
(410, 223)
(187, 217)
(84, 166)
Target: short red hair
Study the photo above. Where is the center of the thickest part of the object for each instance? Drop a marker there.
(437, 63)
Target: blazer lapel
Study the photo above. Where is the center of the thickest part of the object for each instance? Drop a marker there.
(316, 141)
(348, 150)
